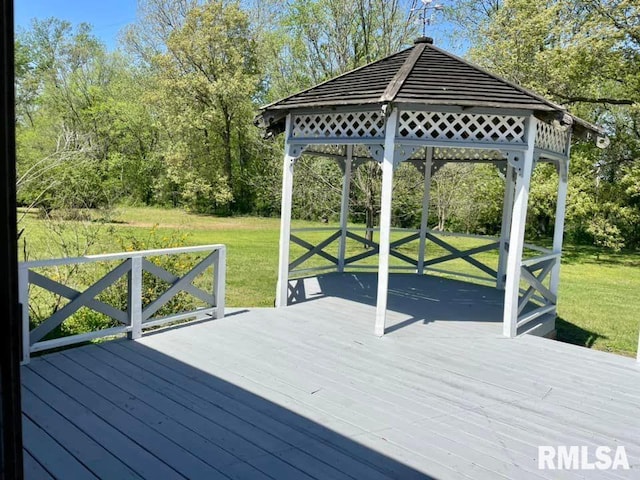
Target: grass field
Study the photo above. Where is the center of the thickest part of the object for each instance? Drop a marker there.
(598, 300)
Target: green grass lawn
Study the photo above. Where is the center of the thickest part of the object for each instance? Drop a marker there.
(598, 300)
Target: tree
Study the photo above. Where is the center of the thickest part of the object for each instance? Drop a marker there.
(586, 55)
(207, 77)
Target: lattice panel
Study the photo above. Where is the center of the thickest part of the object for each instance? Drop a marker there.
(467, 127)
(551, 138)
(339, 125)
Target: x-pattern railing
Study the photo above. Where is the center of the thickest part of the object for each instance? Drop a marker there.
(314, 250)
(373, 249)
(535, 271)
(466, 255)
(137, 316)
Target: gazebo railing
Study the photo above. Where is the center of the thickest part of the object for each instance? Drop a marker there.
(536, 298)
(127, 273)
(404, 260)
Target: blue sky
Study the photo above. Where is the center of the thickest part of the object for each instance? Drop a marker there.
(107, 16)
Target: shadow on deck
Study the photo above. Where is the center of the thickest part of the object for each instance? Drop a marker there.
(412, 298)
(308, 392)
(124, 410)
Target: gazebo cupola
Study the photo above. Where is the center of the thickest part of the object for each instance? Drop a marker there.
(426, 106)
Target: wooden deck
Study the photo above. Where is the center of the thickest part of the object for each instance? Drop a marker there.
(310, 392)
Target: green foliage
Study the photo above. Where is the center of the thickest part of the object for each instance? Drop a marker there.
(167, 118)
(586, 55)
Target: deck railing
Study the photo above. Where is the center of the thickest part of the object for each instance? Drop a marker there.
(137, 316)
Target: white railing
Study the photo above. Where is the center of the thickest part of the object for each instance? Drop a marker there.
(137, 316)
(535, 272)
(353, 262)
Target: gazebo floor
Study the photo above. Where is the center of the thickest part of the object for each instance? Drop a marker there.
(309, 392)
(421, 299)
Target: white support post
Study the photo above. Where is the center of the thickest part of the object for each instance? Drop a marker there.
(426, 199)
(344, 207)
(135, 297)
(282, 289)
(219, 280)
(558, 230)
(516, 238)
(505, 229)
(388, 166)
(23, 298)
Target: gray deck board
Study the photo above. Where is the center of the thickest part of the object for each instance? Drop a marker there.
(309, 392)
(95, 458)
(50, 454)
(33, 469)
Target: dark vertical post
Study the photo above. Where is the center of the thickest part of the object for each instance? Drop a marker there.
(10, 322)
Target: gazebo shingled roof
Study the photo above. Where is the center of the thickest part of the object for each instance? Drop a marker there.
(421, 75)
(428, 107)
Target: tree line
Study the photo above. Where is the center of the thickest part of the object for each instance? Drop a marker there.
(167, 118)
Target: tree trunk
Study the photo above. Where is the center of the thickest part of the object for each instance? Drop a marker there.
(369, 221)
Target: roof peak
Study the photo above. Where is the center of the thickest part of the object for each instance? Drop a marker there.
(419, 40)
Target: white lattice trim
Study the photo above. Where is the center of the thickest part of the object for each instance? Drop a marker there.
(467, 127)
(551, 138)
(339, 125)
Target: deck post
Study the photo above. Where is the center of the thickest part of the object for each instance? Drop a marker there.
(426, 199)
(344, 207)
(282, 289)
(505, 229)
(135, 297)
(388, 166)
(558, 230)
(23, 298)
(219, 281)
(524, 166)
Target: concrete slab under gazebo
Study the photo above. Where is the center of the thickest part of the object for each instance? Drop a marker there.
(428, 107)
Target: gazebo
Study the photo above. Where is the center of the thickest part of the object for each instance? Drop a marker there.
(426, 106)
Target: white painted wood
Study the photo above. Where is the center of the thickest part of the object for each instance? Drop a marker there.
(388, 167)
(56, 262)
(135, 298)
(542, 258)
(462, 235)
(426, 142)
(199, 314)
(282, 287)
(23, 298)
(220, 280)
(80, 338)
(505, 229)
(344, 206)
(558, 230)
(426, 199)
(134, 319)
(527, 317)
(516, 236)
(537, 248)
